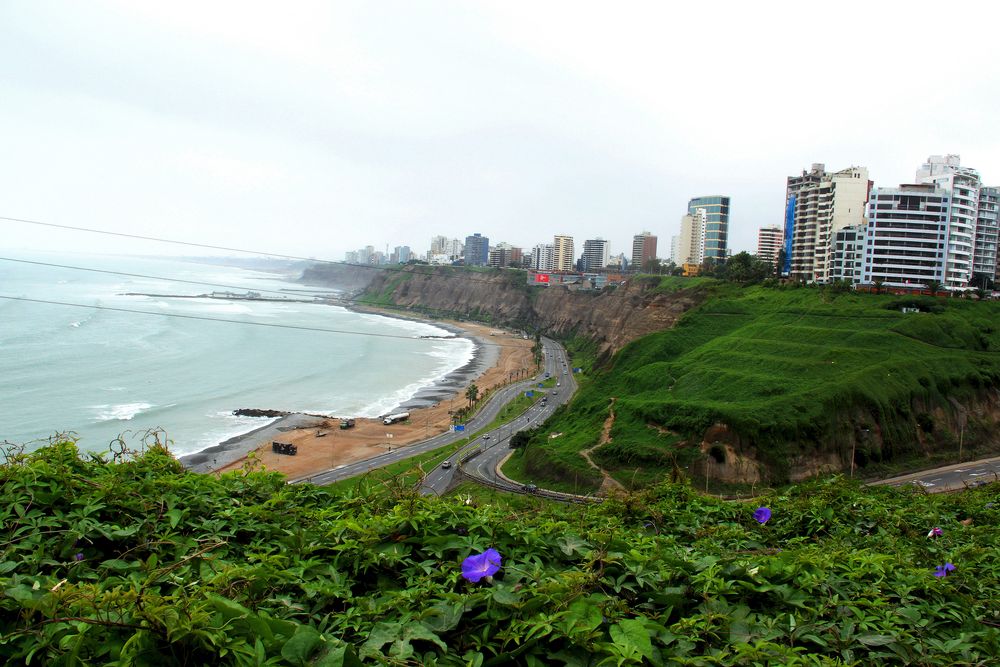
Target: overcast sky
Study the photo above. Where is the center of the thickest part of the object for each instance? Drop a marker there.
(316, 127)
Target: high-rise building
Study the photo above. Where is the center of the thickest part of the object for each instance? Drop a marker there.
(643, 250)
(500, 255)
(400, 255)
(847, 258)
(946, 172)
(438, 244)
(769, 243)
(716, 225)
(543, 257)
(906, 239)
(691, 243)
(562, 257)
(595, 255)
(477, 250)
(984, 262)
(818, 204)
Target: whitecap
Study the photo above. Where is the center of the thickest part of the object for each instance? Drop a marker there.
(121, 411)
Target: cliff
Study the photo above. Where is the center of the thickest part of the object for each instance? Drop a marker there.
(610, 318)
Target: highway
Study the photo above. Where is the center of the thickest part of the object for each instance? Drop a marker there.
(952, 477)
(489, 448)
(555, 362)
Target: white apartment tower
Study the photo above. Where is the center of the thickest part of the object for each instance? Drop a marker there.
(962, 184)
(818, 204)
(595, 254)
(769, 242)
(691, 243)
(543, 257)
(984, 260)
(563, 254)
(907, 235)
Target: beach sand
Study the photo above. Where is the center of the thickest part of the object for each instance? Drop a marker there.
(500, 356)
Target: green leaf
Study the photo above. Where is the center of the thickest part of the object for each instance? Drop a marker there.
(302, 645)
(343, 656)
(228, 608)
(582, 616)
(875, 640)
(631, 634)
(175, 516)
(443, 616)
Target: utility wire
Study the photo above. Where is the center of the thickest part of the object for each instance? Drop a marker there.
(228, 321)
(143, 275)
(413, 271)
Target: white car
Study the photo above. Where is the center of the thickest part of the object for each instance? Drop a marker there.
(446, 465)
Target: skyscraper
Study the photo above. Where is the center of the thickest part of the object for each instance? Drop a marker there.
(716, 225)
(542, 258)
(595, 254)
(984, 262)
(477, 250)
(818, 204)
(907, 235)
(563, 252)
(691, 244)
(643, 250)
(947, 173)
(769, 242)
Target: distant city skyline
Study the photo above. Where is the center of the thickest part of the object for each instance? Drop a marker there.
(320, 128)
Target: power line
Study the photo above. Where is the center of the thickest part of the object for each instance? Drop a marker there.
(139, 275)
(411, 271)
(227, 321)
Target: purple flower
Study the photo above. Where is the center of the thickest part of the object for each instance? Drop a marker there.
(935, 532)
(762, 515)
(481, 565)
(78, 557)
(943, 570)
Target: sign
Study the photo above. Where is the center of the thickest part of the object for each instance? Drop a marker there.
(458, 427)
(529, 394)
(541, 277)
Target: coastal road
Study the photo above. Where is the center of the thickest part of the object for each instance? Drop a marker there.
(491, 447)
(484, 416)
(952, 477)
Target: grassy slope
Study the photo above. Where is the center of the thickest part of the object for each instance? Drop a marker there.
(787, 369)
(143, 563)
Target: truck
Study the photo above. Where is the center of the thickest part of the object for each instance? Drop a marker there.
(398, 417)
(346, 422)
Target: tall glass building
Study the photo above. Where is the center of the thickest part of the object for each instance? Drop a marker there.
(716, 224)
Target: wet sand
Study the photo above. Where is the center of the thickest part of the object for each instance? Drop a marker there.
(500, 357)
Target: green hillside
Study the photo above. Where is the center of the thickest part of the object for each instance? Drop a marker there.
(143, 563)
(789, 371)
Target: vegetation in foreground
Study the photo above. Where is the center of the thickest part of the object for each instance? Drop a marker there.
(139, 562)
(791, 372)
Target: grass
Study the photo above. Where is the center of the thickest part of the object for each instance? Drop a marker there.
(790, 372)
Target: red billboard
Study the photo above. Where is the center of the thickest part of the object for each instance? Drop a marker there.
(541, 277)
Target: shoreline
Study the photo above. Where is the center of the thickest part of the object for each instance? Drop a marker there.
(369, 438)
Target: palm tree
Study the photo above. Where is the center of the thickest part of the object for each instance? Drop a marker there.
(934, 286)
(877, 284)
(472, 394)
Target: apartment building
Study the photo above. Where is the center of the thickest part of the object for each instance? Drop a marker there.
(563, 254)
(847, 258)
(477, 250)
(817, 205)
(984, 253)
(691, 242)
(716, 209)
(769, 242)
(643, 250)
(595, 254)
(947, 173)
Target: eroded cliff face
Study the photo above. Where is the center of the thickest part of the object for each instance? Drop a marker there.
(611, 318)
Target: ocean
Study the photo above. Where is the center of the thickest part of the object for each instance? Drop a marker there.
(101, 374)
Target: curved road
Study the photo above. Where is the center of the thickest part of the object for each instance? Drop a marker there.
(490, 448)
(555, 362)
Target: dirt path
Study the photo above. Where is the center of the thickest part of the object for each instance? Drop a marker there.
(608, 482)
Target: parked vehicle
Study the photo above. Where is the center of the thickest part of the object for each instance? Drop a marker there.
(398, 417)
(346, 422)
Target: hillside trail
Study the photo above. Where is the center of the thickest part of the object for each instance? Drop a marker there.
(608, 482)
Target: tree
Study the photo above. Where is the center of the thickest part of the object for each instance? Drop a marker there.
(472, 394)
(652, 265)
(934, 286)
(877, 284)
(744, 268)
(779, 263)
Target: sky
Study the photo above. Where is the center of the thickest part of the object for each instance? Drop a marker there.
(314, 128)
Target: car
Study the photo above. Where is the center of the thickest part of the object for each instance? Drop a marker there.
(555, 391)
(446, 465)
(486, 437)
(530, 488)
(558, 384)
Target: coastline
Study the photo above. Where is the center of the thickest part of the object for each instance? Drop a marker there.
(323, 445)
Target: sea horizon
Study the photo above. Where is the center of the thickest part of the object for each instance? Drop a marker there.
(100, 373)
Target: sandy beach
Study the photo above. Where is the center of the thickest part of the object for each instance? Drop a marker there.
(499, 358)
